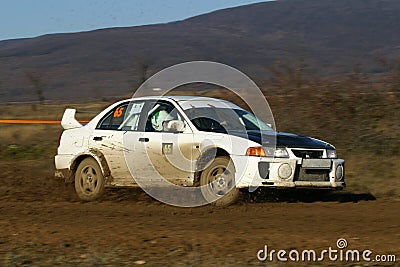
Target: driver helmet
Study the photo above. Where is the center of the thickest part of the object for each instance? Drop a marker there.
(159, 118)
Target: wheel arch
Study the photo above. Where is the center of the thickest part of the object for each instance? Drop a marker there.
(206, 158)
(96, 155)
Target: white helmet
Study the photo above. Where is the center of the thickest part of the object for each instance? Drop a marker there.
(159, 118)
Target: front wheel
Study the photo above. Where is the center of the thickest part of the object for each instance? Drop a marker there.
(89, 180)
(217, 182)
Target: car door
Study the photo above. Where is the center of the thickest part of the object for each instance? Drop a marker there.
(108, 139)
(162, 153)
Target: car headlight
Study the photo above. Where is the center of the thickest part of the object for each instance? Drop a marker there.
(281, 152)
(331, 154)
(276, 152)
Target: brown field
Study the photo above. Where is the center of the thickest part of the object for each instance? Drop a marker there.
(44, 224)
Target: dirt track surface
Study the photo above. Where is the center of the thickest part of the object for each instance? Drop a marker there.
(43, 224)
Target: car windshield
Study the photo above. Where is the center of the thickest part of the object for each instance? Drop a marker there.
(216, 119)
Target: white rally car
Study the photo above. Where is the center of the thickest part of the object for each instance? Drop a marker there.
(189, 141)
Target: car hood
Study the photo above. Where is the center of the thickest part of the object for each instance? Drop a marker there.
(283, 139)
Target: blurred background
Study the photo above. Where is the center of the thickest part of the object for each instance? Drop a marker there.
(329, 69)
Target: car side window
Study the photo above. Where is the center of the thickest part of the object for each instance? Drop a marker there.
(123, 117)
(160, 113)
(132, 115)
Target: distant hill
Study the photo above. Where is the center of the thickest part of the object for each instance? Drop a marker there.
(328, 36)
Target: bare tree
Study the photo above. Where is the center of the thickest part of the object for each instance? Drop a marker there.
(143, 66)
(37, 82)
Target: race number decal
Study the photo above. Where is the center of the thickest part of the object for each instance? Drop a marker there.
(118, 112)
(167, 148)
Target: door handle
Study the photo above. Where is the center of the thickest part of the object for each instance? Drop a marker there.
(97, 138)
(144, 139)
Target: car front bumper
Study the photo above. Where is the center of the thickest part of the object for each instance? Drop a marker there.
(282, 172)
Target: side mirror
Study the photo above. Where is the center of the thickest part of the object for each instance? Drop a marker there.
(175, 126)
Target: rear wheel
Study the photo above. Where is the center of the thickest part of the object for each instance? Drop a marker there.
(89, 180)
(218, 182)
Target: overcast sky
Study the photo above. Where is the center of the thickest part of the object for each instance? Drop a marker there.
(30, 18)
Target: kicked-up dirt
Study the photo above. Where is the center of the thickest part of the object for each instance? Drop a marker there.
(42, 223)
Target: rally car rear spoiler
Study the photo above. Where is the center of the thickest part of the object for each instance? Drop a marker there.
(69, 121)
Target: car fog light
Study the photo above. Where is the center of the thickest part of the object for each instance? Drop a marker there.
(284, 171)
(339, 172)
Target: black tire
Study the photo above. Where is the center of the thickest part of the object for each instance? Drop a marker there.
(217, 182)
(89, 180)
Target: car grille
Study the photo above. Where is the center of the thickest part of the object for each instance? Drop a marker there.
(308, 154)
(311, 175)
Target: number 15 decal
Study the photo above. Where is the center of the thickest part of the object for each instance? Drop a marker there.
(167, 148)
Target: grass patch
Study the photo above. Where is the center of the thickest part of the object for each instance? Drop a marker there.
(12, 152)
